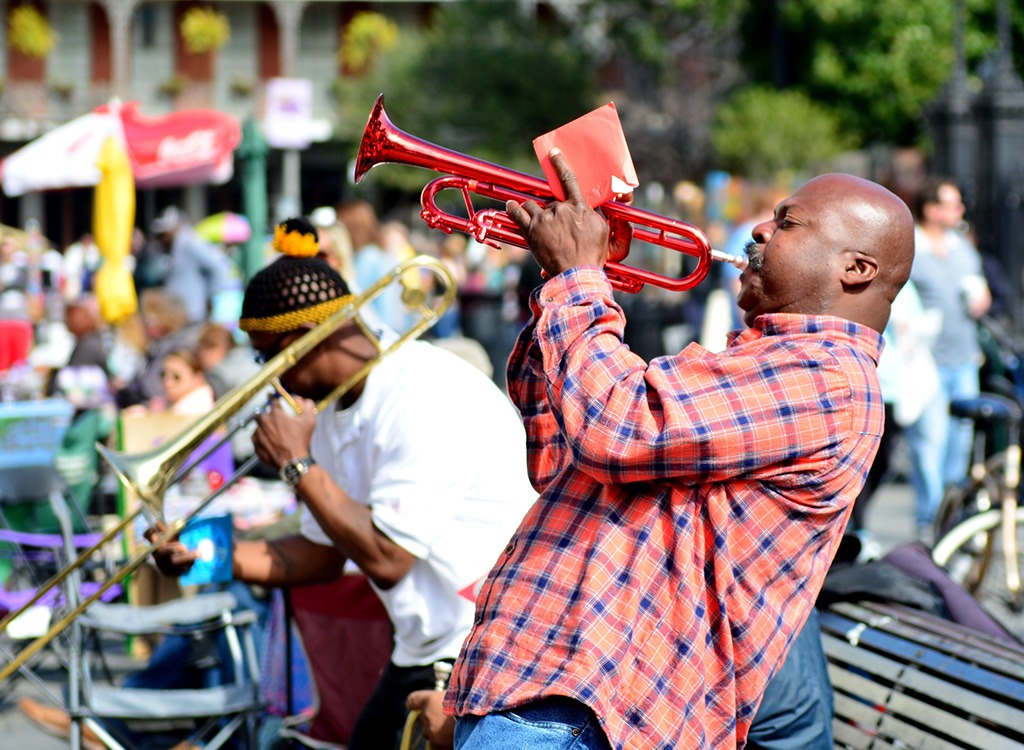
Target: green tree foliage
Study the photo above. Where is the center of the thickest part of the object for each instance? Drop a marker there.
(877, 64)
(483, 79)
(653, 32)
(762, 133)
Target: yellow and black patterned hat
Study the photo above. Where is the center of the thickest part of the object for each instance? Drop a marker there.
(297, 288)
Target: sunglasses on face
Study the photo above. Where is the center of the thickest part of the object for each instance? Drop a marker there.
(267, 353)
(262, 356)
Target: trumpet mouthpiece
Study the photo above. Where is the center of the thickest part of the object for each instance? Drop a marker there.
(739, 261)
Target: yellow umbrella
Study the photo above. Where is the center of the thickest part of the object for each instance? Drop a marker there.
(113, 222)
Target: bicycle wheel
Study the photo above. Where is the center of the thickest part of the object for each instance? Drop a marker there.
(977, 495)
(971, 553)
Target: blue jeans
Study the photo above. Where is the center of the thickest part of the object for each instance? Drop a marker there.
(940, 445)
(555, 723)
(170, 665)
(960, 381)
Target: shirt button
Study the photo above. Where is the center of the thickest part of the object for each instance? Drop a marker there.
(511, 546)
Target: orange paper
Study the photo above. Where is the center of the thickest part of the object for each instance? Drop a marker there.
(595, 147)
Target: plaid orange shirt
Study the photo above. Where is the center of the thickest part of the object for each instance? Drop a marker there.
(689, 510)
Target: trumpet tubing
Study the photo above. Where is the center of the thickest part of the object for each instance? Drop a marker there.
(149, 474)
(383, 143)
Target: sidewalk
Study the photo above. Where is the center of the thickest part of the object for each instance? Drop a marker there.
(17, 732)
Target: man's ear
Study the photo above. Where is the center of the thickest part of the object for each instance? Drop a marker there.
(858, 268)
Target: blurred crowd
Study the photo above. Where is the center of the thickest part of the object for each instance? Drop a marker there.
(181, 349)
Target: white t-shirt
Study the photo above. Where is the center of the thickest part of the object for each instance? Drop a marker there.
(439, 453)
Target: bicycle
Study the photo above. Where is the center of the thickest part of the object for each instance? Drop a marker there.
(979, 527)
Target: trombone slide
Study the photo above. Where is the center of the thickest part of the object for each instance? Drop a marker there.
(149, 474)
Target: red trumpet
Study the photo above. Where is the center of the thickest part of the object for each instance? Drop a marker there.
(383, 143)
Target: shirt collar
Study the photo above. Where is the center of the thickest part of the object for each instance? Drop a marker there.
(829, 327)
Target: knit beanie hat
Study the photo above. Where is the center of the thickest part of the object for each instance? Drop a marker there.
(296, 288)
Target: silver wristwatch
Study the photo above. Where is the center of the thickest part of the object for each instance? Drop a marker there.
(293, 471)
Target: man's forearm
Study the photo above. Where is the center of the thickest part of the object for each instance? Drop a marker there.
(290, 561)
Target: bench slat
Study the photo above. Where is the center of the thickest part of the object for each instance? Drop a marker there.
(1012, 650)
(978, 648)
(916, 681)
(949, 637)
(876, 664)
(912, 737)
(942, 693)
(936, 719)
(858, 685)
(854, 710)
(849, 737)
(974, 676)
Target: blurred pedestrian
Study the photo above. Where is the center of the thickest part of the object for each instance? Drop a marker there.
(335, 243)
(82, 260)
(948, 276)
(185, 390)
(167, 328)
(198, 269)
(225, 363)
(372, 261)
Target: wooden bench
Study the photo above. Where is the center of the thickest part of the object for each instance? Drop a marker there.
(906, 679)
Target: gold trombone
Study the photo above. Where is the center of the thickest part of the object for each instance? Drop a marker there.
(412, 733)
(149, 474)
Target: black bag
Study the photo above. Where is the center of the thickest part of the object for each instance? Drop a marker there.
(879, 581)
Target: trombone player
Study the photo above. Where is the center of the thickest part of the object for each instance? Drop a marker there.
(395, 477)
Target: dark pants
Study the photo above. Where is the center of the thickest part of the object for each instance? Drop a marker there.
(380, 723)
(796, 711)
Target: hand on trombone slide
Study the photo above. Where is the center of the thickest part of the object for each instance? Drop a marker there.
(172, 558)
(281, 435)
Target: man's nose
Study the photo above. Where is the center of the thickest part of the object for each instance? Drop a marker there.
(762, 232)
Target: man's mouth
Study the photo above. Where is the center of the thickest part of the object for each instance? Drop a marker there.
(755, 261)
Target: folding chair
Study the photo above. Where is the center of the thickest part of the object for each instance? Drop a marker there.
(37, 534)
(31, 501)
(210, 716)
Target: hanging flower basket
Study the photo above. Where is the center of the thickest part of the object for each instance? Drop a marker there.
(29, 33)
(173, 86)
(366, 36)
(204, 30)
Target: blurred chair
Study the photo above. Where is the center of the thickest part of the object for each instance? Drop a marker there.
(209, 716)
(37, 536)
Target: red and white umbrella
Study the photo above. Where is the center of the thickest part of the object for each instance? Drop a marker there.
(183, 148)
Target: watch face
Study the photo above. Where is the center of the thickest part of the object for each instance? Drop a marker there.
(290, 473)
(293, 471)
